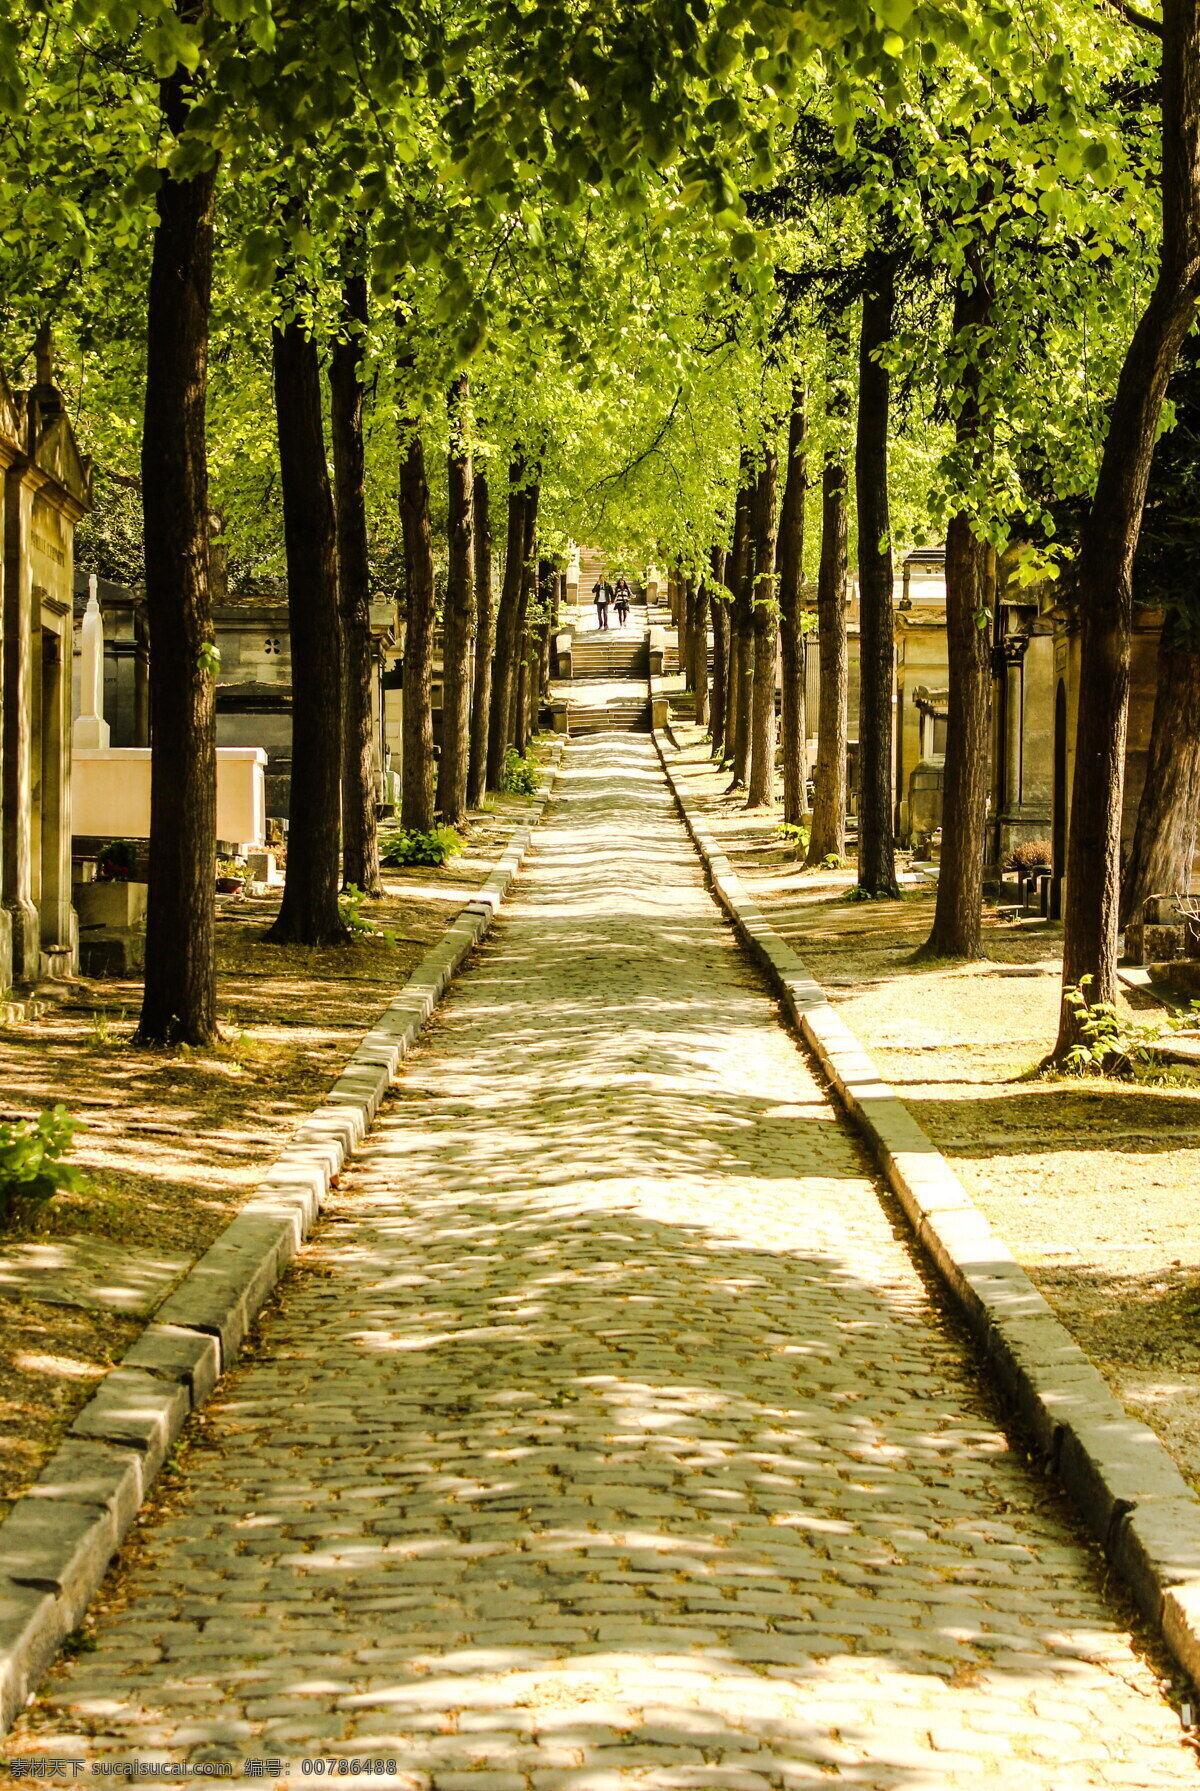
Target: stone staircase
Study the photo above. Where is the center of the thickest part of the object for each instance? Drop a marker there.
(607, 692)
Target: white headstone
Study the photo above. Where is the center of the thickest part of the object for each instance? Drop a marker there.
(90, 727)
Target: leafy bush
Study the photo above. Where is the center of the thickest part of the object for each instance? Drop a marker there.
(1112, 1044)
(1029, 855)
(31, 1172)
(116, 862)
(404, 847)
(520, 777)
(350, 908)
(796, 835)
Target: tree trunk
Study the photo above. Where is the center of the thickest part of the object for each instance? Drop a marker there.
(1164, 840)
(970, 601)
(738, 575)
(308, 913)
(827, 837)
(741, 623)
(504, 671)
(1090, 905)
(485, 640)
(793, 721)
(876, 841)
(517, 734)
(720, 626)
(179, 1004)
(970, 592)
(360, 840)
(416, 734)
(761, 793)
(700, 653)
(458, 620)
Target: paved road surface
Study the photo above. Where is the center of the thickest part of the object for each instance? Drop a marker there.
(608, 1437)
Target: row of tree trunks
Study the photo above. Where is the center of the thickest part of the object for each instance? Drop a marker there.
(1110, 536)
(360, 838)
(827, 834)
(485, 640)
(793, 720)
(970, 600)
(761, 770)
(1164, 840)
(876, 844)
(458, 618)
(308, 913)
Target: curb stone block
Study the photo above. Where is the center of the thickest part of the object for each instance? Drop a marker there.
(1157, 1546)
(31, 1630)
(132, 1406)
(57, 1546)
(1123, 1480)
(66, 1528)
(177, 1354)
(1181, 1625)
(1111, 1464)
(100, 1474)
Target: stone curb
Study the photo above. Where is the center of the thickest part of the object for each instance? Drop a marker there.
(57, 1541)
(1129, 1491)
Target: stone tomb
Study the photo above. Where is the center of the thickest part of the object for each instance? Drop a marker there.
(47, 488)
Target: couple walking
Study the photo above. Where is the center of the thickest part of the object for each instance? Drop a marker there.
(619, 595)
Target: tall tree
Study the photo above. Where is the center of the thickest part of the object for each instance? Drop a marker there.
(308, 913)
(761, 792)
(416, 780)
(827, 836)
(793, 720)
(360, 837)
(485, 635)
(741, 626)
(458, 625)
(957, 930)
(719, 607)
(1090, 909)
(504, 668)
(699, 679)
(179, 1003)
(1164, 840)
(876, 842)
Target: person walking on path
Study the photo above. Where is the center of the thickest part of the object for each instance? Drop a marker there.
(622, 599)
(601, 592)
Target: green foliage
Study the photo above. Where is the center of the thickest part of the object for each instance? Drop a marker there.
(859, 894)
(31, 1170)
(796, 834)
(350, 905)
(520, 776)
(1111, 1044)
(403, 846)
(116, 862)
(833, 861)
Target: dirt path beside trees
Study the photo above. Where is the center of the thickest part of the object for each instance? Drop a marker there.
(175, 1140)
(1091, 1182)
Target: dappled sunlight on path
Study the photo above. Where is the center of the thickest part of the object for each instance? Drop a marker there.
(611, 1437)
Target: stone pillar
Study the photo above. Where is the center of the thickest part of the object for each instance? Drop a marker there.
(16, 678)
(10, 456)
(1014, 691)
(90, 727)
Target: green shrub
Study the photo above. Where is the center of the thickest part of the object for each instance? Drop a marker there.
(1112, 1044)
(350, 904)
(520, 777)
(403, 847)
(31, 1172)
(796, 835)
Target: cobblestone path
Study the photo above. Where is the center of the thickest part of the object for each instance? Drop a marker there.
(608, 1437)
